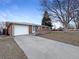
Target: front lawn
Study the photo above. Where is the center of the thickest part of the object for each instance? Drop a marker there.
(67, 37)
(10, 50)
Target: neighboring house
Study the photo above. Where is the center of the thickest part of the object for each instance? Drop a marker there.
(15, 28)
(2, 25)
(1, 30)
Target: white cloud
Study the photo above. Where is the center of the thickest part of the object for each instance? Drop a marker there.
(4, 16)
(16, 16)
(57, 25)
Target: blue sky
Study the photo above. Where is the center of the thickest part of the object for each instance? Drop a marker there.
(20, 11)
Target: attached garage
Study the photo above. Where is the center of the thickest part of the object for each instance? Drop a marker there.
(20, 30)
(14, 28)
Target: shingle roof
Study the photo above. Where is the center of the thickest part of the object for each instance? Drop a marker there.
(25, 23)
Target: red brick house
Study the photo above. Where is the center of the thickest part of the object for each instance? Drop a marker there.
(16, 28)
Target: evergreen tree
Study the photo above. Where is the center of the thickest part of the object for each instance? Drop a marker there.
(46, 20)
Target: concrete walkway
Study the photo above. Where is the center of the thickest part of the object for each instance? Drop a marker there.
(41, 48)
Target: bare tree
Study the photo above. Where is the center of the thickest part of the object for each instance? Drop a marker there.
(76, 19)
(62, 10)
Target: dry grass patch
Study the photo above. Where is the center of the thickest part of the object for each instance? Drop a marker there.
(10, 50)
(67, 37)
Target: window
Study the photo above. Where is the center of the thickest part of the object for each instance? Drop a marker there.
(33, 28)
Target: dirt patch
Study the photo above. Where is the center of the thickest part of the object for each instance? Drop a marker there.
(10, 50)
(68, 37)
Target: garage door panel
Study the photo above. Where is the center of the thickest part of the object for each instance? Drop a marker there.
(21, 30)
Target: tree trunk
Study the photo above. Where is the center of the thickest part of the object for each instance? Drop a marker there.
(78, 25)
(65, 27)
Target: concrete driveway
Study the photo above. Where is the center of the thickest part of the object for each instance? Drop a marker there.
(41, 48)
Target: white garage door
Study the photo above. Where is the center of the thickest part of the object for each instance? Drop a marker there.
(20, 30)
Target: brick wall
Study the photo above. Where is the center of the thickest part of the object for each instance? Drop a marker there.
(9, 28)
(30, 29)
(43, 30)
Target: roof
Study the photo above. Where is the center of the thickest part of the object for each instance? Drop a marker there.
(25, 23)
